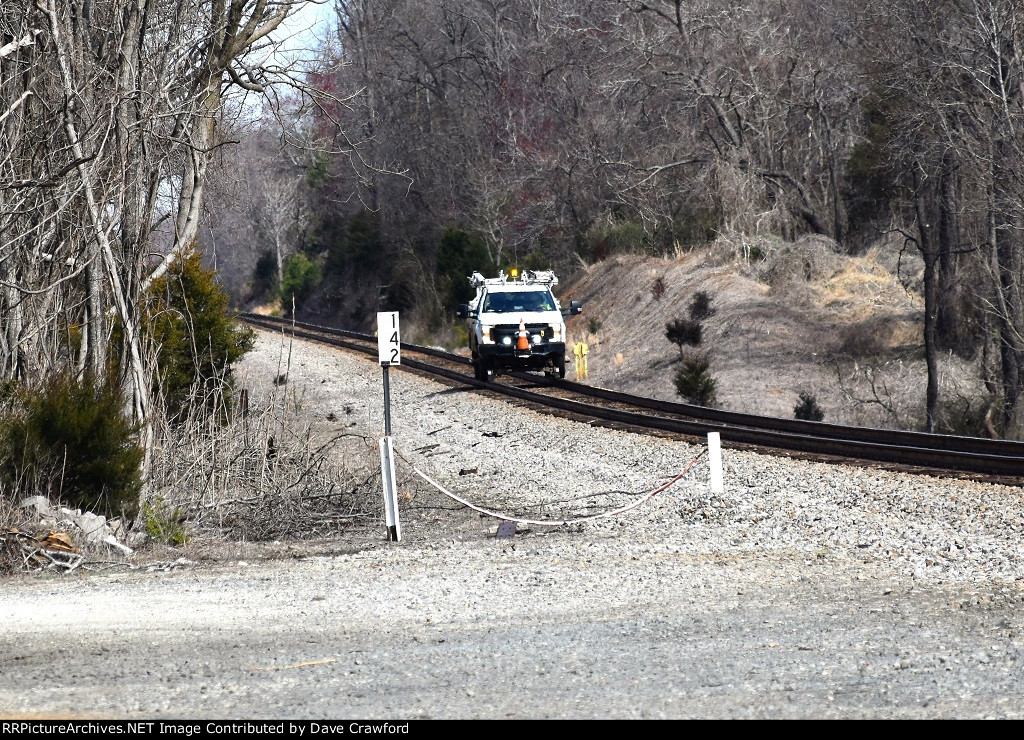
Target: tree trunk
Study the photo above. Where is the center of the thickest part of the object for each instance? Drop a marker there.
(1007, 250)
(94, 333)
(1008, 268)
(931, 289)
(103, 250)
(950, 332)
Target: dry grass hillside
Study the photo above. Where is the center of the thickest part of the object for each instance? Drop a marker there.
(789, 318)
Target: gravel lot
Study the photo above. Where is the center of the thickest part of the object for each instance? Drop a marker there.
(805, 590)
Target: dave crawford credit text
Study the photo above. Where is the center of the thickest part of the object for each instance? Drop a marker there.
(188, 729)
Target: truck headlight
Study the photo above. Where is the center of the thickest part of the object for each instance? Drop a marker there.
(557, 330)
(506, 340)
(485, 334)
(536, 338)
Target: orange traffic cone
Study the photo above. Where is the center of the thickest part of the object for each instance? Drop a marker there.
(524, 342)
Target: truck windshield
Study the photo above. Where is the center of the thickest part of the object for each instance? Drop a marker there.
(538, 300)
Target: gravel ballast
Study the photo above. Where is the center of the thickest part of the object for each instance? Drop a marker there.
(804, 590)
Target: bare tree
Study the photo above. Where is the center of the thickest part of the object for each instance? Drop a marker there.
(955, 143)
(760, 105)
(255, 204)
(108, 134)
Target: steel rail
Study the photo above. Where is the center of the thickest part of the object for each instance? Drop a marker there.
(919, 449)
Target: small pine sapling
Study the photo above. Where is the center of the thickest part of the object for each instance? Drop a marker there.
(694, 382)
(684, 332)
(807, 408)
(700, 306)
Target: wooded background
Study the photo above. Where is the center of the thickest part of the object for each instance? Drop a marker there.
(425, 139)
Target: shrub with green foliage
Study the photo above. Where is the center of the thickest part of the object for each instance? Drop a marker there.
(700, 306)
(71, 440)
(196, 334)
(694, 382)
(355, 244)
(535, 260)
(165, 523)
(459, 255)
(461, 336)
(301, 276)
(365, 270)
(318, 172)
(871, 181)
(684, 331)
(807, 408)
(264, 275)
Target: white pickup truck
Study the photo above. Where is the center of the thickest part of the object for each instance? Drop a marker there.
(516, 323)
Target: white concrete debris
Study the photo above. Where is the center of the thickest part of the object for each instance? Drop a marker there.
(89, 527)
(39, 503)
(94, 527)
(112, 542)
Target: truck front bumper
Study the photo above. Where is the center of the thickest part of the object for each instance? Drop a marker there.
(536, 357)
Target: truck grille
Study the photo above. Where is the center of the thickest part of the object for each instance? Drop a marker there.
(512, 330)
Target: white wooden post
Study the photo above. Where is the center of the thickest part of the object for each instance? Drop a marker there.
(715, 462)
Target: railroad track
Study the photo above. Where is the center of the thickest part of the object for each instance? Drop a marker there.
(951, 456)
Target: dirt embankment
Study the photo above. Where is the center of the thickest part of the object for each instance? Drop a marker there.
(789, 318)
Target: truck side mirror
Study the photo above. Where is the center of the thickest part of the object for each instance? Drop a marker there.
(462, 311)
(575, 307)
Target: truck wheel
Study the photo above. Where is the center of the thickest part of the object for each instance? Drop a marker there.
(560, 368)
(480, 370)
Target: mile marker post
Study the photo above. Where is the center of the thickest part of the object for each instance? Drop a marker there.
(389, 352)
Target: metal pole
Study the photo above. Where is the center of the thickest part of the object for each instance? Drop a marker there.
(387, 465)
(387, 403)
(387, 468)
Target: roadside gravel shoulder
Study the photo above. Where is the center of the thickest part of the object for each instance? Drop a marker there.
(805, 590)
(510, 459)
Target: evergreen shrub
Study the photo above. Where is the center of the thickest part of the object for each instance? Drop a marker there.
(684, 332)
(71, 440)
(300, 278)
(197, 337)
(700, 306)
(694, 382)
(807, 408)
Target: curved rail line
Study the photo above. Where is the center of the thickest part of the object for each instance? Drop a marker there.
(936, 453)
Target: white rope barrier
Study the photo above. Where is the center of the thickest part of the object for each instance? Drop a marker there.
(548, 523)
